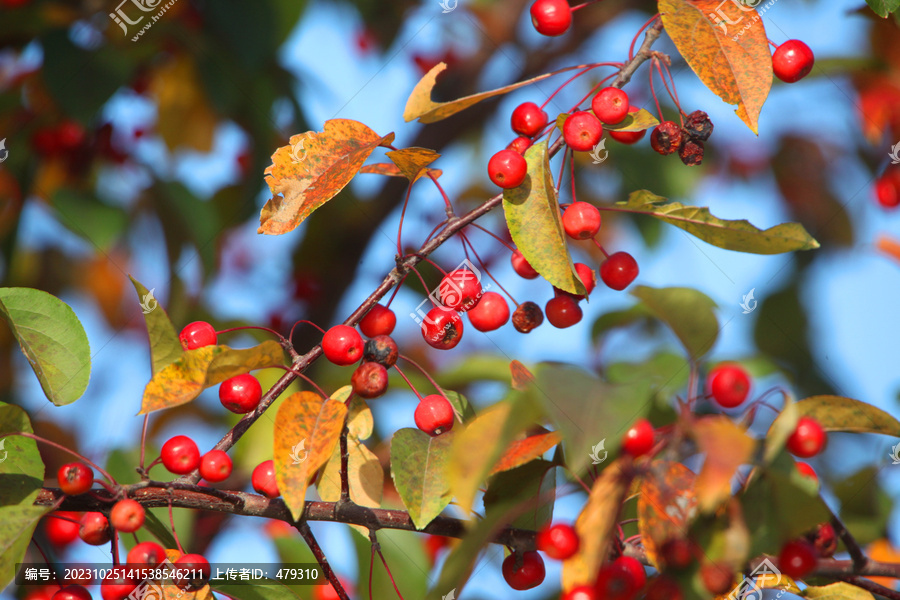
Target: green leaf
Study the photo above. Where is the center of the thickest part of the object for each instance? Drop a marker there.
(620, 318)
(780, 430)
(865, 506)
(272, 589)
(161, 531)
(183, 380)
(52, 339)
(533, 482)
(634, 121)
(587, 410)
(461, 406)
(419, 468)
(532, 214)
(837, 591)
(404, 552)
(781, 504)
(687, 312)
(475, 367)
(667, 372)
(21, 478)
(86, 216)
(165, 347)
(883, 8)
(837, 413)
(740, 235)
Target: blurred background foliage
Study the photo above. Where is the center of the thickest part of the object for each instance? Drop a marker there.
(146, 157)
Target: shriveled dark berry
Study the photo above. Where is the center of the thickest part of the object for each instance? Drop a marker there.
(527, 316)
(691, 153)
(697, 126)
(666, 137)
(381, 349)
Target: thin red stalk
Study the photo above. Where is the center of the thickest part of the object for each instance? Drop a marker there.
(403, 216)
(115, 548)
(562, 168)
(38, 438)
(424, 285)
(174, 533)
(435, 265)
(391, 575)
(371, 570)
(447, 205)
(594, 89)
(425, 374)
(488, 271)
(408, 382)
(495, 236)
(674, 92)
(573, 78)
(435, 230)
(394, 293)
(599, 245)
(653, 92)
(572, 175)
(304, 378)
(266, 329)
(291, 334)
(634, 41)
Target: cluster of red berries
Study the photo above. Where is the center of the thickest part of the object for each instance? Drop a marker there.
(69, 140)
(180, 455)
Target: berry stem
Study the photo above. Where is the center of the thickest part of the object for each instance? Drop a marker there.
(115, 548)
(636, 35)
(291, 334)
(485, 268)
(310, 539)
(448, 207)
(495, 236)
(599, 245)
(419, 367)
(408, 382)
(38, 438)
(390, 575)
(653, 92)
(672, 93)
(304, 378)
(174, 533)
(266, 329)
(402, 217)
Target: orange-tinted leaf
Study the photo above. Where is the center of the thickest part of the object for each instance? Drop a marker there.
(165, 347)
(364, 474)
(731, 58)
(726, 446)
(666, 505)
(522, 451)
(391, 170)
(306, 419)
(521, 376)
(313, 169)
(532, 214)
(596, 525)
(889, 246)
(420, 105)
(173, 592)
(413, 162)
(882, 551)
(196, 370)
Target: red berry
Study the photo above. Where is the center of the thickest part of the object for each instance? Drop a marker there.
(197, 335)
(824, 540)
(717, 579)
(116, 585)
(663, 588)
(530, 574)
(263, 479)
(42, 593)
(698, 126)
(45, 142)
(520, 144)
(62, 532)
(196, 569)
(619, 270)
(72, 592)
(507, 169)
(581, 220)
(887, 189)
(94, 529)
(127, 516)
(369, 380)
(634, 568)
(433, 546)
(215, 466)
(75, 478)
(677, 554)
(582, 592)
(527, 316)
(563, 311)
(342, 345)
(797, 559)
(559, 541)
(610, 105)
(808, 438)
(180, 455)
(615, 582)
(380, 320)
(792, 61)
(70, 135)
(729, 385)
(146, 554)
(434, 415)
(460, 290)
(582, 131)
(491, 312)
(691, 152)
(327, 591)
(522, 267)
(442, 328)
(666, 138)
(551, 17)
(587, 276)
(807, 471)
(381, 349)
(241, 393)
(638, 440)
(628, 137)
(528, 119)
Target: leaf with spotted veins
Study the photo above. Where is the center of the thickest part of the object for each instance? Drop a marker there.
(732, 57)
(313, 169)
(413, 162)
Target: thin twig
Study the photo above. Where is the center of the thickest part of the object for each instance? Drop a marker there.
(310, 539)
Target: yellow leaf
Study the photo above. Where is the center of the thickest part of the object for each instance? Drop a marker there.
(413, 162)
(313, 169)
(365, 475)
(596, 525)
(184, 115)
(666, 505)
(474, 451)
(305, 421)
(726, 447)
(391, 170)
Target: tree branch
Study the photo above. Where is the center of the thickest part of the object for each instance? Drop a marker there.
(310, 539)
